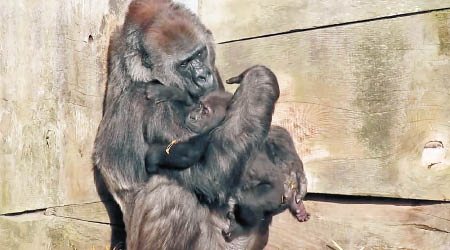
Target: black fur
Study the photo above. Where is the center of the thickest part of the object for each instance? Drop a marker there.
(201, 119)
(163, 212)
(266, 188)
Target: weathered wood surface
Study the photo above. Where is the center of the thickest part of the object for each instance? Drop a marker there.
(238, 19)
(362, 101)
(351, 224)
(42, 231)
(354, 225)
(53, 74)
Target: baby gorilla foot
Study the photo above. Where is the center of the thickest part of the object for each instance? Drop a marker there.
(298, 210)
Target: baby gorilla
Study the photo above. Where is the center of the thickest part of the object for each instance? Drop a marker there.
(200, 119)
(264, 190)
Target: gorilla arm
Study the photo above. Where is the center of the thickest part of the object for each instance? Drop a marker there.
(179, 154)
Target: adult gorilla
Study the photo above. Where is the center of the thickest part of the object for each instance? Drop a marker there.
(162, 41)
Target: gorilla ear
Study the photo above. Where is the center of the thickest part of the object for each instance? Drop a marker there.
(146, 60)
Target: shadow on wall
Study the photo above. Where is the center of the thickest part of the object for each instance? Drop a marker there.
(118, 234)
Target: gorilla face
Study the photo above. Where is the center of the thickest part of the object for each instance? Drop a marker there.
(174, 49)
(197, 72)
(209, 112)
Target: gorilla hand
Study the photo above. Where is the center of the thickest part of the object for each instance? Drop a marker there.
(161, 93)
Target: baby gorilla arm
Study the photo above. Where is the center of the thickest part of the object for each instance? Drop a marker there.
(181, 154)
(176, 155)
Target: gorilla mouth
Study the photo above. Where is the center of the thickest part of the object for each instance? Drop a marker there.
(195, 91)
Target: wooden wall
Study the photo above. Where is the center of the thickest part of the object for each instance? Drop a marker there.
(365, 92)
(365, 88)
(53, 75)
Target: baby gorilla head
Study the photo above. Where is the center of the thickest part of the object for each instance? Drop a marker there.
(209, 112)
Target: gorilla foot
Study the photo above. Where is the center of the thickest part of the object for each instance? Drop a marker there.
(299, 211)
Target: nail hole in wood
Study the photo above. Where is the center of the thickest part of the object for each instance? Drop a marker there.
(433, 153)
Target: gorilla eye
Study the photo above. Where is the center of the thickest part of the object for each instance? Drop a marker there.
(183, 65)
(204, 109)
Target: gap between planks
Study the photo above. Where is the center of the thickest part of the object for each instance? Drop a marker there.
(353, 199)
(330, 198)
(337, 25)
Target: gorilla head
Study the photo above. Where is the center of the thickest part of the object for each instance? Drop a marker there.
(167, 43)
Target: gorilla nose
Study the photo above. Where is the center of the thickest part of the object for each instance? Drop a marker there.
(201, 75)
(192, 117)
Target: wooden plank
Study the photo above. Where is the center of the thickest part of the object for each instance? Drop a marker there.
(362, 101)
(38, 231)
(351, 224)
(94, 212)
(364, 226)
(53, 74)
(237, 19)
(80, 226)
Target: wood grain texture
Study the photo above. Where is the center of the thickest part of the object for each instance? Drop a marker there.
(53, 74)
(362, 101)
(39, 231)
(237, 19)
(71, 227)
(351, 224)
(354, 225)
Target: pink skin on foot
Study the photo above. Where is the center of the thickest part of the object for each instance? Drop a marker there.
(299, 211)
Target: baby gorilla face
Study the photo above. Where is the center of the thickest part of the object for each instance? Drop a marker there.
(209, 112)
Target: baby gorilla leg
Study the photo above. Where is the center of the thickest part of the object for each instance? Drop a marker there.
(260, 194)
(253, 209)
